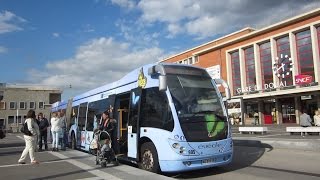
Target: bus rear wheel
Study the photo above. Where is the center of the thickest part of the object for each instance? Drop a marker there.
(149, 158)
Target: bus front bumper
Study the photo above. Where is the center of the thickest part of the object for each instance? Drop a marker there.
(196, 163)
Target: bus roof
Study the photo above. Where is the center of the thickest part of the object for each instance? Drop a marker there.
(131, 77)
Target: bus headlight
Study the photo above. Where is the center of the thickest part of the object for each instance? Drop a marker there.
(182, 149)
(175, 145)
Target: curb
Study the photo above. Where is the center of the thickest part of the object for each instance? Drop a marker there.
(305, 144)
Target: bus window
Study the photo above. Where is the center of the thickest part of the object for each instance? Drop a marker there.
(95, 110)
(199, 108)
(74, 115)
(63, 117)
(155, 111)
(82, 116)
(91, 119)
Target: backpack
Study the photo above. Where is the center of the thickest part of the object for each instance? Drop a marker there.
(24, 129)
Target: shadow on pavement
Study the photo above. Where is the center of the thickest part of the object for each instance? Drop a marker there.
(246, 152)
(252, 143)
(18, 144)
(10, 152)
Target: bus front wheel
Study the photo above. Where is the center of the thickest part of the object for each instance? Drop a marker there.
(149, 158)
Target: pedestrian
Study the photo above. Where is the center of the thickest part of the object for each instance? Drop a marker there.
(63, 130)
(56, 131)
(30, 137)
(110, 125)
(305, 120)
(256, 118)
(316, 118)
(43, 126)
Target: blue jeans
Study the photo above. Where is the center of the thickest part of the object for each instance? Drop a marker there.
(64, 139)
(55, 138)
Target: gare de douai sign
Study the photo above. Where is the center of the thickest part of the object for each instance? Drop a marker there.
(299, 80)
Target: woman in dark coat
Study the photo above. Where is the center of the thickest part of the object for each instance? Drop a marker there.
(110, 125)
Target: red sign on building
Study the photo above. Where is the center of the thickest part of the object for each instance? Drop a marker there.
(303, 79)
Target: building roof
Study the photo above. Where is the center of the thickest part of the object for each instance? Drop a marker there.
(34, 87)
(210, 42)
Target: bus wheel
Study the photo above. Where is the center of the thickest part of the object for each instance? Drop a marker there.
(73, 142)
(149, 158)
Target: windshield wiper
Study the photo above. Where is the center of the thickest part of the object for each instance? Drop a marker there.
(220, 118)
(204, 112)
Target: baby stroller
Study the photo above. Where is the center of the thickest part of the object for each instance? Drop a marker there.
(102, 146)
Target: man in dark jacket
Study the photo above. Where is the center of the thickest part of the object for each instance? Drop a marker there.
(43, 126)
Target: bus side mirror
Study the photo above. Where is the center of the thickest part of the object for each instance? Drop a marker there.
(162, 83)
(226, 88)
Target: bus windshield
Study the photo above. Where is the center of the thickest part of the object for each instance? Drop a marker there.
(198, 107)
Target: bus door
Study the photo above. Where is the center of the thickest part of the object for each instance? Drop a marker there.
(133, 124)
(81, 124)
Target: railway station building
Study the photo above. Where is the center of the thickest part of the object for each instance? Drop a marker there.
(272, 72)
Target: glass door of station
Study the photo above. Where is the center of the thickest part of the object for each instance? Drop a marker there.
(288, 110)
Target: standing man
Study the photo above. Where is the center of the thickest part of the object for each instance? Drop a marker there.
(43, 126)
(64, 130)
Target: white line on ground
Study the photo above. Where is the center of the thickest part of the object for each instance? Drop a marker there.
(17, 147)
(20, 137)
(271, 135)
(86, 167)
(49, 162)
(91, 178)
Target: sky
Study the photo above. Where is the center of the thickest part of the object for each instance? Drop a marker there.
(80, 45)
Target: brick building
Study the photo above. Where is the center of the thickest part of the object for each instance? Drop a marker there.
(273, 71)
(19, 99)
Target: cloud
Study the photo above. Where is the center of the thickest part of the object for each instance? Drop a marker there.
(137, 33)
(10, 22)
(95, 63)
(127, 4)
(174, 29)
(207, 18)
(56, 35)
(3, 50)
(168, 10)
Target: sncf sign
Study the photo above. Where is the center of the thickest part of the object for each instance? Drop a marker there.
(303, 79)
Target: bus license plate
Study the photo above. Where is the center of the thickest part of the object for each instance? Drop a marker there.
(207, 161)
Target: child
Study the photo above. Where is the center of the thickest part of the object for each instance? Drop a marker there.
(106, 150)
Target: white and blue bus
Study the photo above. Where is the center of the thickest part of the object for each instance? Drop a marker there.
(170, 117)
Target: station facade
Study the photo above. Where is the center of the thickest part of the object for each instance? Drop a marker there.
(273, 72)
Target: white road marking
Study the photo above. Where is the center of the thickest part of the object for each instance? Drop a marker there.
(86, 167)
(18, 147)
(20, 137)
(270, 135)
(91, 178)
(27, 164)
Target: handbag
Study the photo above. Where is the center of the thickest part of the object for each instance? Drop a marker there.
(24, 129)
